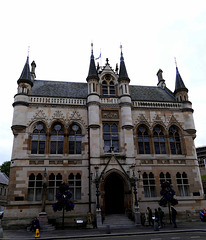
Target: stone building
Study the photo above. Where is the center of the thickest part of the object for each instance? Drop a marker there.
(201, 157)
(4, 181)
(112, 142)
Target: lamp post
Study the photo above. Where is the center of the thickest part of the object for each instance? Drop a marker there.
(133, 181)
(97, 180)
(44, 192)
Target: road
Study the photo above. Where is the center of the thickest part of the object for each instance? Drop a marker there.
(156, 236)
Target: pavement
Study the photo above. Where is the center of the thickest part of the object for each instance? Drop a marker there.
(196, 226)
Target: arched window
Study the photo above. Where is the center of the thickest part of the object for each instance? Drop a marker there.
(104, 88)
(174, 138)
(183, 184)
(57, 139)
(74, 182)
(149, 185)
(108, 87)
(75, 139)
(35, 188)
(111, 137)
(159, 140)
(38, 139)
(111, 88)
(165, 178)
(54, 183)
(143, 140)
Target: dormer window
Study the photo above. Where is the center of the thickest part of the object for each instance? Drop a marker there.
(108, 87)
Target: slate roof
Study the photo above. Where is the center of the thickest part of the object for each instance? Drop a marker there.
(59, 89)
(80, 90)
(25, 75)
(4, 179)
(179, 84)
(148, 93)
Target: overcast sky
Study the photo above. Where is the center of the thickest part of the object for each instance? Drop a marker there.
(59, 33)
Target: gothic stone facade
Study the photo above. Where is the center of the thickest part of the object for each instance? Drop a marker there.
(106, 128)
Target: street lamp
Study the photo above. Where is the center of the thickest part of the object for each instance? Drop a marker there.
(44, 192)
(97, 181)
(133, 181)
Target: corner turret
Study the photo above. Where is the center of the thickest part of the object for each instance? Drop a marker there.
(123, 76)
(92, 77)
(181, 92)
(25, 82)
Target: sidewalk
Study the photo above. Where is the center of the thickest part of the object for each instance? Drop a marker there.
(83, 233)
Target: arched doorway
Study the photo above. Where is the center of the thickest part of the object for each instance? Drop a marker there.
(114, 194)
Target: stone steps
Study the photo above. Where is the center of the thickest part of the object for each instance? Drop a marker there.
(118, 221)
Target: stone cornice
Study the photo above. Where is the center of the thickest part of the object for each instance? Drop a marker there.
(127, 127)
(94, 126)
(188, 110)
(20, 103)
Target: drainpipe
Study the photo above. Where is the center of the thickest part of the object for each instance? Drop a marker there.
(89, 170)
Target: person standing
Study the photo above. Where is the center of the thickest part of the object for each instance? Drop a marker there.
(35, 224)
(174, 214)
(150, 216)
(161, 215)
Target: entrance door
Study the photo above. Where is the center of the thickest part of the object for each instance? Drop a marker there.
(114, 194)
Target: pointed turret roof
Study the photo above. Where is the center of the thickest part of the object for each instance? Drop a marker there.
(26, 75)
(92, 68)
(179, 84)
(122, 70)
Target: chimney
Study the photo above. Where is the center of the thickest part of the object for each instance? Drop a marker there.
(33, 67)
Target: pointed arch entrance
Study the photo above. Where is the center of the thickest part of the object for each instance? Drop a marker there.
(114, 193)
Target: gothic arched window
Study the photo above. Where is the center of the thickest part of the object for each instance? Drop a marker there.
(111, 137)
(54, 183)
(34, 188)
(57, 139)
(108, 87)
(74, 182)
(182, 184)
(38, 139)
(143, 140)
(75, 139)
(159, 140)
(104, 88)
(149, 185)
(165, 178)
(174, 138)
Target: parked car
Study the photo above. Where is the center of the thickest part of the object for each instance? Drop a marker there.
(203, 215)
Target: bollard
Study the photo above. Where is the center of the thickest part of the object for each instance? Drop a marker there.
(108, 231)
(156, 227)
(37, 233)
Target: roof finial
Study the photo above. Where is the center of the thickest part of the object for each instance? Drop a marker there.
(92, 47)
(28, 51)
(175, 61)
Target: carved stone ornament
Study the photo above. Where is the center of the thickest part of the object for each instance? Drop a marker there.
(58, 115)
(110, 114)
(40, 115)
(76, 116)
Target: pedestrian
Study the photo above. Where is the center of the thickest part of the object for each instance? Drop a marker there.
(156, 215)
(150, 216)
(35, 224)
(146, 222)
(161, 215)
(156, 225)
(174, 214)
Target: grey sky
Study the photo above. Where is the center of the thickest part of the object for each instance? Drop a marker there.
(60, 33)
